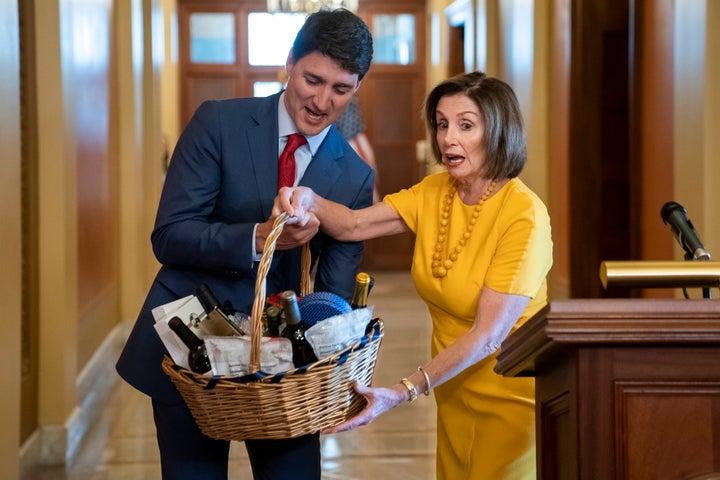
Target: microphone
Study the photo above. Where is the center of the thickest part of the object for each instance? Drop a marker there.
(675, 216)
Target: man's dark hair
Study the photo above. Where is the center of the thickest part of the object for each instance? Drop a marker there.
(338, 34)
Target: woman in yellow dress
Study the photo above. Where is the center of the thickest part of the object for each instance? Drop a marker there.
(482, 253)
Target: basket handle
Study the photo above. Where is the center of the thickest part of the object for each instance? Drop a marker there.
(260, 287)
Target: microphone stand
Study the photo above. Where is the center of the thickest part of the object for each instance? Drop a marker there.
(706, 291)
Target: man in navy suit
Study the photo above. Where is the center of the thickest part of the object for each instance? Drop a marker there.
(214, 216)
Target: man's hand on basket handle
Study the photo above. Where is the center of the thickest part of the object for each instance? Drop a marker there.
(296, 231)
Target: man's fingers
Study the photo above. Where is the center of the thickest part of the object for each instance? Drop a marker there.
(284, 198)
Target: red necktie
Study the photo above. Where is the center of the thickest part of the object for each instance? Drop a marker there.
(286, 164)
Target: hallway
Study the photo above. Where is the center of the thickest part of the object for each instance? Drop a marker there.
(120, 445)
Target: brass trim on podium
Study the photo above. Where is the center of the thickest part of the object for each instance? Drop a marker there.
(660, 274)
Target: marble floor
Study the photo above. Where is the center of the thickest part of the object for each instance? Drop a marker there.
(400, 445)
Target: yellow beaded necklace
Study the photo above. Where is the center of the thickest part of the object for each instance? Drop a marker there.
(440, 267)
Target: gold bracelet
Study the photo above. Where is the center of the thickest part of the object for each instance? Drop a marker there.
(427, 380)
(411, 388)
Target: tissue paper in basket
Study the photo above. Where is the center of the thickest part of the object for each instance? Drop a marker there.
(231, 355)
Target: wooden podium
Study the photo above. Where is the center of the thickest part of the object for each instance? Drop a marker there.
(625, 389)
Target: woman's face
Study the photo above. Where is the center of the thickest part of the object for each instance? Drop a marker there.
(460, 129)
(317, 92)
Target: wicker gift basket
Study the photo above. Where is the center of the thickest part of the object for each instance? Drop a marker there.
(293, 403)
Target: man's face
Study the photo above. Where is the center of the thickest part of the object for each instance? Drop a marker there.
(317, 92)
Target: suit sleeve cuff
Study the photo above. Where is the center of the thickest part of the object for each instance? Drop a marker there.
(253, 254)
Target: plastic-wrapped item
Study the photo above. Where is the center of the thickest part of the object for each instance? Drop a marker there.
(242, 322)
(231, 355)
(338, 332)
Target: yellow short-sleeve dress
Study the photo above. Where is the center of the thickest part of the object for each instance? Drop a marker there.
(485, 423)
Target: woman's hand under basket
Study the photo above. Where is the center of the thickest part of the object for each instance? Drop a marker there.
(379, 401)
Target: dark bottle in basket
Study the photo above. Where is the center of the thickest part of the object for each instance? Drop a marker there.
(363, 284)
(217, 322)
(273, 320)
(198, 357)
(295, 330)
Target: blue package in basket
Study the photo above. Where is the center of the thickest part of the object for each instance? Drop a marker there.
(318, 306)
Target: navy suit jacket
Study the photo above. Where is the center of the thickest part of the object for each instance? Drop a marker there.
(221, 181)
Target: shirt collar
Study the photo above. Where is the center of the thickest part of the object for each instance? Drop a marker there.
(286, 126)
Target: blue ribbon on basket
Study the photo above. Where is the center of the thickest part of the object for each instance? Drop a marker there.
(372, 333)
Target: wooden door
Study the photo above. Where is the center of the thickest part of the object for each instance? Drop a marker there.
(620, 138)
(599, 158)
(217, 66)
(391, 98)
(30, 342)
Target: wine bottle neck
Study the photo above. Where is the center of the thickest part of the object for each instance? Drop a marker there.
(361, 291)
(185, 334)
(290, 307)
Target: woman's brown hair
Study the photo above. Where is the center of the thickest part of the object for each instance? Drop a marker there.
(504, 135)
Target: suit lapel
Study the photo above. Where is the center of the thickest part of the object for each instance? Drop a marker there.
(262, 139)
(320, 175)
(323, 170)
